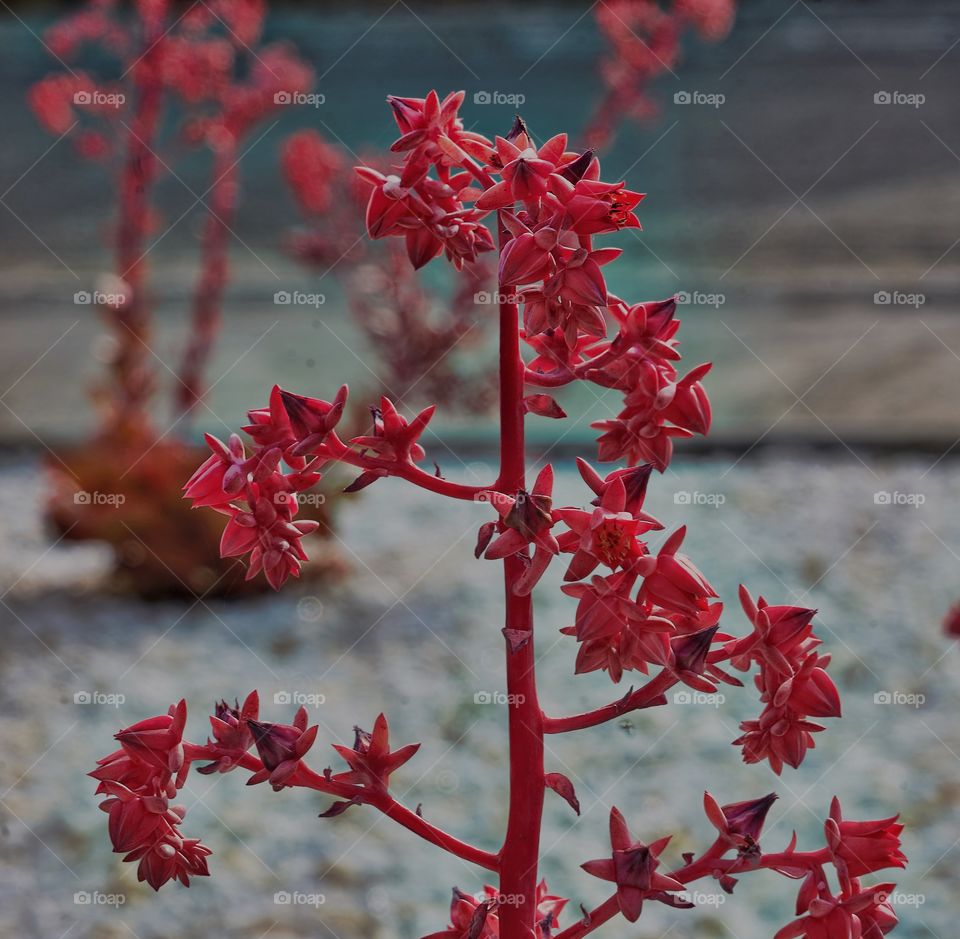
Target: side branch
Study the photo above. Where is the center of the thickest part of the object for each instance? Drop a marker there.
(337, 451)
(650, 695)
(306, 778)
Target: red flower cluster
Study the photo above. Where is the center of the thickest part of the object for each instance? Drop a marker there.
(792, 681)
(140, 779)
(475, 917)
(196, 57)
(644, 39)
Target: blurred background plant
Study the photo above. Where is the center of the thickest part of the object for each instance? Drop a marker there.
(193, 78)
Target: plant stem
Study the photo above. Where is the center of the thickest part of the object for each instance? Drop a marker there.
(650, 695)
(596, 917)
(208, 297)
(132, 322)
(437, 836)
(520, 853)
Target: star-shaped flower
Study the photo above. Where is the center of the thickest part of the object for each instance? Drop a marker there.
(633, 868)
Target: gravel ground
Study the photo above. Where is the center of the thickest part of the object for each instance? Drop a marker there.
(414, 630)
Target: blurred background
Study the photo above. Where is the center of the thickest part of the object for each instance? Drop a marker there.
(803, 200)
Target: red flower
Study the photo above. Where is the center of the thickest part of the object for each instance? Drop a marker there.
(231, 733)
(739, 823)
(633, 868)
(395, 438)
(607, 535)
(526, 171)
(526, 520)
(371, 760)
(281, 747)
(672, 582)
(829, 917)
(860, 848)
(475, 917)
(139, 781)
(268, 533)
(158, 741)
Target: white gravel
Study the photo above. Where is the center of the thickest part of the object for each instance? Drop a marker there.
(414, 631)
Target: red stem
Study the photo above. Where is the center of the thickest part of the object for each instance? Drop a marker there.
(382, 800)
(596, 917)
(335, 449)
(136, 179)
(410, 820)
(208, 298)
(519, 855)
(650, 695)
